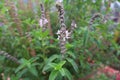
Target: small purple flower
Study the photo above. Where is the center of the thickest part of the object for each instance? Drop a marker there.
(43, 22)
(63, 35)
(59, 1)
(1, 24)
(115, 5)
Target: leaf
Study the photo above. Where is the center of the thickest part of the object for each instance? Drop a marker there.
(21, 73)
(23, 62)
(36, 64)
(19, 68)
(72, 62)
(98, 42)
(68, 74)
(68, 45)
(53, 75)
(33, 71)
(45, 34)
(52, 58)
(53, 65)
(33, 59)
(62, 72)
(85, 39)
(46, 1)
(49, 66)
(59, 66)
(71, 54)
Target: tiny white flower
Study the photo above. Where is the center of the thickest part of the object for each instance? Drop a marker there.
(58, 38)
(67, 37)
(114, 5)
(94, 1)
(64, 35)
(67, 34)
(64, 39)
(118, 3)
(75, 25)
(43, 22)
(58, 32)
(40, 22)
(60, 1)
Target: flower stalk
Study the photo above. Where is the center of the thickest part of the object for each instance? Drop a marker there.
(16, 19)
(43, 21)
(12, 58)
(63, 34)
(73, 26)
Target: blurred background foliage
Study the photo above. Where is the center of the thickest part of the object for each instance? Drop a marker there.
(38, 52)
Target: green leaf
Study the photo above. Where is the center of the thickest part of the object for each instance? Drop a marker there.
(52, 58)
(68, 74)
(21, 73)
(72, 62)
(23, 62)
(19, 68)
(53, 75)
(59, 66)
(62, 72)
(46, 1)
(53, 65)
(33, 71)
(36, 64)
(68, 45)
(33, 59)
(71, 54)
(85, 39)
(49, 66)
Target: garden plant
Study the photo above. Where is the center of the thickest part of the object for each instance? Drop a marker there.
(59, 39)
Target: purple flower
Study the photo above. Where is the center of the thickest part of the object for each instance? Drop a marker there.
(59, 1)
(1, 24)
(63, 35)
(43, 22)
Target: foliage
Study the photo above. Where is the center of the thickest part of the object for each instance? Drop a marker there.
(40, 59)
